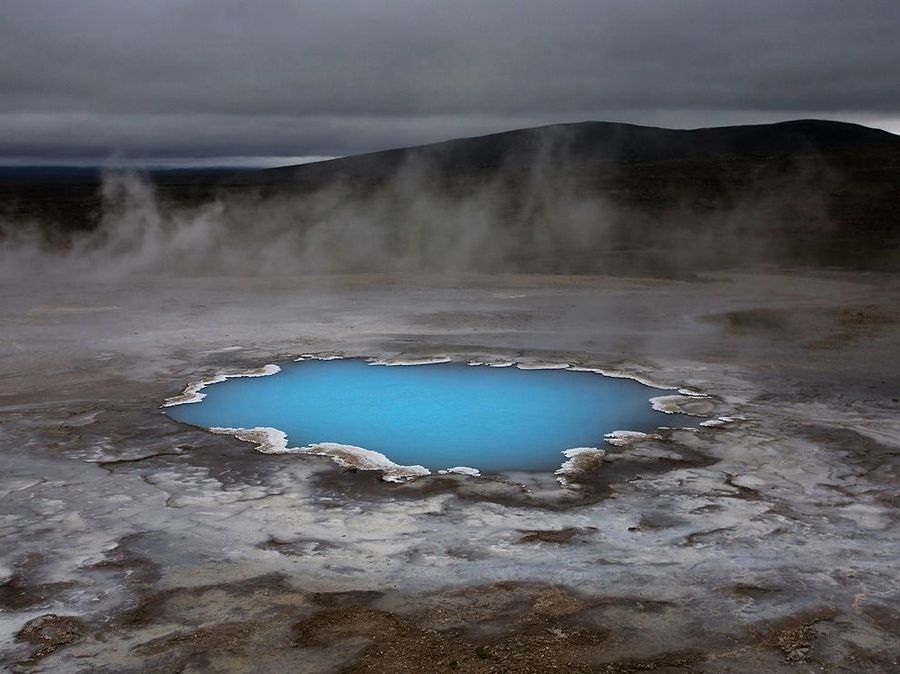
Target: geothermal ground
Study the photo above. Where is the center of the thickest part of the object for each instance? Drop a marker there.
(765, 542)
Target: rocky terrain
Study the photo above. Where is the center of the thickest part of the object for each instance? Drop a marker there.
(765, 542)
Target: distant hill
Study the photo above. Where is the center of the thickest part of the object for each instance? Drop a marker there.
(591, 142)
(805, 192)
(593, 197)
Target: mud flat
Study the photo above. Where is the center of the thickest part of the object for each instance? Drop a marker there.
(764, 540)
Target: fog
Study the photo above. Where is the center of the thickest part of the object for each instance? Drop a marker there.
(540, 220)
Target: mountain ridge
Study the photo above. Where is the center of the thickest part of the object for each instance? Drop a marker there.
(593, 142)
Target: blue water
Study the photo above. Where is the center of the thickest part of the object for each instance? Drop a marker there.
(439, 415)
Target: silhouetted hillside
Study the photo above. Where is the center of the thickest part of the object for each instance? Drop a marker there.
(590, 142)
(581, 198)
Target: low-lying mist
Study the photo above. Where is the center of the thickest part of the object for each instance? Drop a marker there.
(537, 220)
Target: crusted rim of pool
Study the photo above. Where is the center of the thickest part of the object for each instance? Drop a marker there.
(576, 460)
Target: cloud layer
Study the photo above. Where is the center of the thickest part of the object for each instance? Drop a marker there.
(208, 77)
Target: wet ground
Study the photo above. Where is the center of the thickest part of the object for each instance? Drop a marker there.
(766, 542)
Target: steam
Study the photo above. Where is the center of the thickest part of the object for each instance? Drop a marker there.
(542, 219)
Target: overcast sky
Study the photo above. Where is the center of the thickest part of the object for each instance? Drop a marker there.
(195, 78)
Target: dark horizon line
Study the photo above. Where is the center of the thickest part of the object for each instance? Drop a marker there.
(192, 162)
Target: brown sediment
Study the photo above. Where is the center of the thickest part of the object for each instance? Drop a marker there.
(48, 633)
(502, 627)
(789, 508)
(559, 536)
(24, 590)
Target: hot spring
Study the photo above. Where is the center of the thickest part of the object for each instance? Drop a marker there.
(437, 415)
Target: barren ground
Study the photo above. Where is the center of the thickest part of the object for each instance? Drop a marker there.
(131, 543)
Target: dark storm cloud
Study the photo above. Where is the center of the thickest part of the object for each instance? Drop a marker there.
(196, 77)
